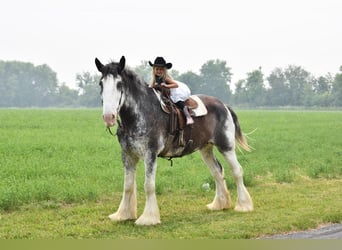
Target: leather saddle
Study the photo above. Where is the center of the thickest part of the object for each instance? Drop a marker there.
(196, 105)
(177, 118)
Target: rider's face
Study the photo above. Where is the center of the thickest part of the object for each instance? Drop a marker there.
(159, 71)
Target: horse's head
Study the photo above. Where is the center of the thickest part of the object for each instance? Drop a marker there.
(111, 89)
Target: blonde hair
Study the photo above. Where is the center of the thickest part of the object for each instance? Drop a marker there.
(165, 75)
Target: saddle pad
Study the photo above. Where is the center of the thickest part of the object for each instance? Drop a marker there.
(201, 109)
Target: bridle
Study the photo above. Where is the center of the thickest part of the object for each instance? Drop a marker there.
(117, 117)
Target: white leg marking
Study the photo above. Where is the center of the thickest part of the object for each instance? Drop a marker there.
(222, 197)
(151, 215)
(244, 201)
(128, 206)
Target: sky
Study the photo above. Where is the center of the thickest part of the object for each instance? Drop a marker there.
(247, 34)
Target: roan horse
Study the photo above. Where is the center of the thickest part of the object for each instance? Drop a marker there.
(143, 131)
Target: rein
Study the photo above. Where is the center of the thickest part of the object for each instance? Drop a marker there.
(110, 131)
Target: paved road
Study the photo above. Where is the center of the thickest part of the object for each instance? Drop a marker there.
(333, 231)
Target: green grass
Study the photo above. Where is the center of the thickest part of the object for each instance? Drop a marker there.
(61, 176)
(289, 144)
(62, 156)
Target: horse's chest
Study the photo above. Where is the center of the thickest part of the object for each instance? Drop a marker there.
(134, 143)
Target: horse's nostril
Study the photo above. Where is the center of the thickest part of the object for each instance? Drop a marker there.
(109, 119)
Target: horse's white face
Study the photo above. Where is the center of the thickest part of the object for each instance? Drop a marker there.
(112, 98)
(112, 90)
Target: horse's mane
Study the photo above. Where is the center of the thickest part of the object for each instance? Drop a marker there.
(127, 73)
(132, 76)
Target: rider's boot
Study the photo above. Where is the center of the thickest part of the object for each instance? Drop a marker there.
(189, 119)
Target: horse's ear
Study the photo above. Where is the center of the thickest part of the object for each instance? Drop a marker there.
(99, 65)
(122, 64)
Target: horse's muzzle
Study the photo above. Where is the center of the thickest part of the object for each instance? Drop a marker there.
(109, 120)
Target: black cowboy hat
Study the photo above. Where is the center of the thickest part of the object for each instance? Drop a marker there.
(160, 62)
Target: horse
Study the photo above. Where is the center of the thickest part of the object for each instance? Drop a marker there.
(142, 132)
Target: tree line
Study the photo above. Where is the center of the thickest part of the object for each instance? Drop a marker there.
(23, 84)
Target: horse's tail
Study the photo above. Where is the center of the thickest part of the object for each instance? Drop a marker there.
(239, 136)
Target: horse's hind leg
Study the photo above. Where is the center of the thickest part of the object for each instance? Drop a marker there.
(244, 201)
(128, 206)
(222, 197)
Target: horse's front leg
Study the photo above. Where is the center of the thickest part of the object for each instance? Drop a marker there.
(128, 206)
(151, 214)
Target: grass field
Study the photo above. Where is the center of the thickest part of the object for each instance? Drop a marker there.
(61, 176)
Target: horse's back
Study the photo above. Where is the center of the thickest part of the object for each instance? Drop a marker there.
(216, 108)
(211, 101)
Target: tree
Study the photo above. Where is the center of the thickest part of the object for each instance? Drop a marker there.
(292, 86)
(321, 93)
(67, 97)
(337, 89)
(297, 79)
(278, 94)
(323, 84)
(254, 87)
(240, 96)
(144, 71)
(216, 77)
(89, 91)
(25, 85)
(7, 85)
(45, 84)
(192, 80)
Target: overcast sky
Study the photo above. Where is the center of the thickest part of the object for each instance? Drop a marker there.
(68, 34)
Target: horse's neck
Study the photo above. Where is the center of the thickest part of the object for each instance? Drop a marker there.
(136, 104)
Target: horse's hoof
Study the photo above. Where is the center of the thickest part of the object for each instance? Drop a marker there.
(147, 221)
(215, 206)
(246, 208)
(220, 203)
(119, 217)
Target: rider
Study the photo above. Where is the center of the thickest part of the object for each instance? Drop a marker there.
(179, 92)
